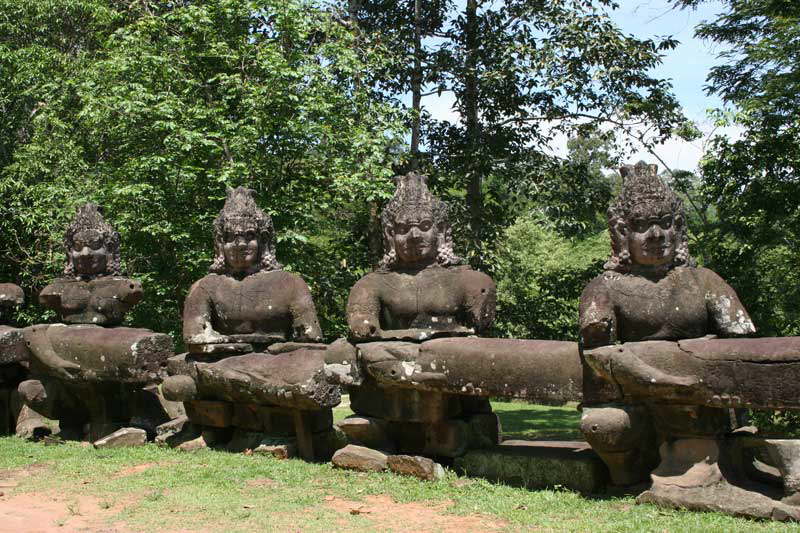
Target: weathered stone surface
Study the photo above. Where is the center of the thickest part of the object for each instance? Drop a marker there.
(360, 458)
(179, 388)
(12, 346)
(277, 449)
(174, 432)
(94, 353)
(101, 301)
(121, 438)
(31, 425)
(416, 466)
(484, 430)
(295, 379)
(212, 413)
(366, 431)
(538, 465)
(760, 373)
(698, 474)
(403, 404)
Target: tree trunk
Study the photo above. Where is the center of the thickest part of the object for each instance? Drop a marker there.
(416, 84)
(471, 157)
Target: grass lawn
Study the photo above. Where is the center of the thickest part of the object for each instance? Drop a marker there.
(156, 489)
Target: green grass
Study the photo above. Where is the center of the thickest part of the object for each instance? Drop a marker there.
(210, 490)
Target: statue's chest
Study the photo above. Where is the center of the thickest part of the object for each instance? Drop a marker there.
(426, 293)
(249, 300)
(671, 308)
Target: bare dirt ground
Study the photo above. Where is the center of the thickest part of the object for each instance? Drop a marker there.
(51, 512)
(34, 512)
(388, 515)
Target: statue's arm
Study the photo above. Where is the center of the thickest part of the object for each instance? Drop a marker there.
(480, 299)
(305, 324)
(597, 319)
(197, 319)
(727, 313)
(363, 310)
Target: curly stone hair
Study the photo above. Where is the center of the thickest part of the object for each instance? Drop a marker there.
(412, 195)
(644, 192)
(240, 206)
(89, 216)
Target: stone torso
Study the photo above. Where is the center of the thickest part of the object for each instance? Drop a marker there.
(260, 303)
(102, 301)
(672, 307)
(429, 299)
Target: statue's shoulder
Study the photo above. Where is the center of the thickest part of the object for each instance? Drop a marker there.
(474, 277)
(606, 282)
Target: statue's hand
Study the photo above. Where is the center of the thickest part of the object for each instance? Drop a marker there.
(364, 330)
(67, 370)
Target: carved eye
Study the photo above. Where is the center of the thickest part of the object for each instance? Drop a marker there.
(250, 235)
(639, 225)
(401, 228)
(425, 225)
(665, 222)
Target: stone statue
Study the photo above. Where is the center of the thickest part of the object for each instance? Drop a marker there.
(253, 338)
(666, 392)
(423, 379)
(86, 369)
(421, 288)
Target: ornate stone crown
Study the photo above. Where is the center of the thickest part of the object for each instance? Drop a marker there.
(240, 212)
(644, 194)
(413, 198)
(89, 217)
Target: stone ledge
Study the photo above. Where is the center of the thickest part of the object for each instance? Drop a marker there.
(538, 465)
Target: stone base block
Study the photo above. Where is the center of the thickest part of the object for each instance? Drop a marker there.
(125, 437)
(354, 457)
(210, 413)
(538, 465)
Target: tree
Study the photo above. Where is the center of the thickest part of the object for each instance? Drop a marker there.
(752, 180)
(151, 109)
(521, 72)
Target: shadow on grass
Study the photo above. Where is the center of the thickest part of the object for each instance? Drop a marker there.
(539, 422)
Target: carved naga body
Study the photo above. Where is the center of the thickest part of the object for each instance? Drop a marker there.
(658, 380)
(89, 370)
(253, 337)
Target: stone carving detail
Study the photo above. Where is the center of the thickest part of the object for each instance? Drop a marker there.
(253, 339)
(86, 370)
(665, 394)
(420, 381)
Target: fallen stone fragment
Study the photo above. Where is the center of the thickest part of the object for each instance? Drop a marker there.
(279, 450)
(168, 432)
(122, 438)
(414, 465)
(31, 425)
(365, 430)
(360, 458)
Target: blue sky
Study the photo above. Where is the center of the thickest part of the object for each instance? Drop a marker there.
(686, 67)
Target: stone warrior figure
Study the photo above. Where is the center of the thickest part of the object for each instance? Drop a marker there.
(421, 288)
(420, 291)
(650, 290)
(255, 367)
(87, 370)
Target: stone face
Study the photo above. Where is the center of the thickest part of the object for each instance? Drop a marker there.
(538, 465)
(354, 457)
(416, 466)
(121, 438)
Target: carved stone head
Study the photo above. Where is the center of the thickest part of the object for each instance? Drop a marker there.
(647, 223)
(92, 245)
(416, 229)
(243, 236)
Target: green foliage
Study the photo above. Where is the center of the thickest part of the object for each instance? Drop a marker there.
(152, 109)
(540, 277)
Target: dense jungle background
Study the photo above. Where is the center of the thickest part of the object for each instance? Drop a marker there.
(152, 109)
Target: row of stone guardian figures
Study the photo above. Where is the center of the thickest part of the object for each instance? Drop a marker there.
(662, 368)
